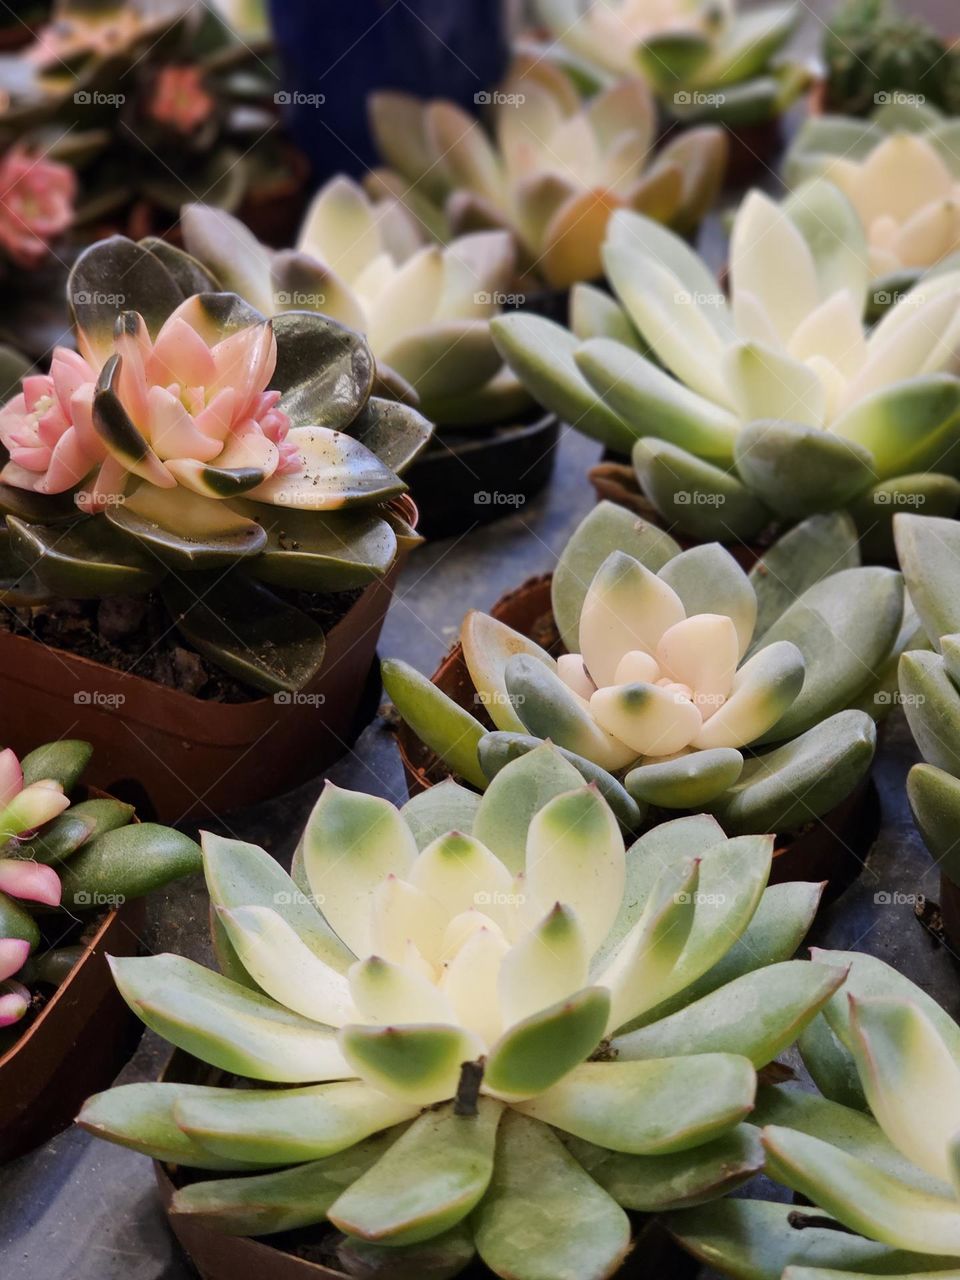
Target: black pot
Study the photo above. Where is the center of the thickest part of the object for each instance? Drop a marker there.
(470, 477)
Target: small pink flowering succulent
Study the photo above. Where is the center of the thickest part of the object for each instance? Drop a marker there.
(190, 435)
(36, 205)
(180, 98)
(55, 852)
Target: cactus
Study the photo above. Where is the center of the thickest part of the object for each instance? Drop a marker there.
(59, 854)
(424, 309)
(771, 406)
(703, 59)
(491, 1040)
(874, 53)
(191, 440)
(553, 173)
(653, 699)
(875, 1156)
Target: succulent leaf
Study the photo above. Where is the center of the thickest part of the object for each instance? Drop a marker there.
(436, 719)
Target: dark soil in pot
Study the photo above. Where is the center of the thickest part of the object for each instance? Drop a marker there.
(78, 1035)
(950, 913)
(475, 475)
(311, 1253)
(831, 848)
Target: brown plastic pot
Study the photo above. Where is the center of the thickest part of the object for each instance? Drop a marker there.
(76, 1045)
(223, 1257)
(831, 848)
(950, 912)
(177, 756)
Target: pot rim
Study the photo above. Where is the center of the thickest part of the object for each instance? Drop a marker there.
(190, 705)
(482, 436)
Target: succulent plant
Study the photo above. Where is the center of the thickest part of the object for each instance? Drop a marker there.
(490, 1040)
(79, 856)
(553, 173)
(650, 700)
(900, 171)
(193, 447)
(875, 53)
(155, 100)
(875, 1156)
(424, 309)
(36, 206)
(929, 682)
(774, 405)
(704, 59)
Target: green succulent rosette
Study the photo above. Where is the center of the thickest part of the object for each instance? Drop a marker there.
(771, 405)
(706, 61)
(195, 448)
(686, 683)
(874, 1153)
(491, 1040)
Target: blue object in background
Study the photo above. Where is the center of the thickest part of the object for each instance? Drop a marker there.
(334, 52)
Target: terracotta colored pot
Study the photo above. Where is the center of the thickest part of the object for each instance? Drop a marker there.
(222, 1257)
(178, 756)
(464, 477)
(77, 1044)
(831, 848)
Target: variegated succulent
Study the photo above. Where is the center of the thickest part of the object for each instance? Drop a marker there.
(771, 406)
(194, 447)
(424, 308)
(84, 856)
(553, 172)
(876, 1155)
(156, 100)
(900, 169)
(704, 59)
(488, 1040)
(653, 689)
(929, 552)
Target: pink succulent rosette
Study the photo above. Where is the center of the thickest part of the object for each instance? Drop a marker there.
(22, 810)
(195, 435)
(36, 205)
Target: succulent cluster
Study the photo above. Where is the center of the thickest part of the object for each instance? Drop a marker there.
(490, 1040)
(704, 59)
(875, 53)
(876, 1153)
(423, 308)
(652, 688)
(194, 447)
(770, 406)
(147, 99)
(929, 552)
(554, 171)
(900, 170)
(57, 853)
